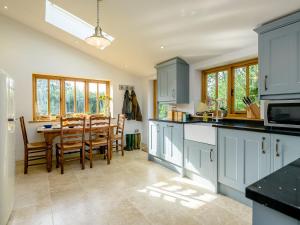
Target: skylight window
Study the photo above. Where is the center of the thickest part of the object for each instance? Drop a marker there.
(68, 22)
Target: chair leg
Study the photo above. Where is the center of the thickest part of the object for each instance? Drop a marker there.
(91, 156)
(108, 155)
(122, 146)
(82, 151)
(57, 158)
(26, 161)
(117, 146)
(61, 162)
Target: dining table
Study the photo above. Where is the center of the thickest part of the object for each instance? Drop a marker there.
(55, 130)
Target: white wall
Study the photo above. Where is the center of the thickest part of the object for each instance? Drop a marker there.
(24, 51)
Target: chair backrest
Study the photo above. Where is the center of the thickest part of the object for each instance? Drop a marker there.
(24, 133)
(99, 127)
(72, 130)
(120, 124)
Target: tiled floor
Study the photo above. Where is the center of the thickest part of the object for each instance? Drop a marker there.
(130, 191)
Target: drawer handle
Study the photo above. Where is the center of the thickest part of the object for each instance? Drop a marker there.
(170, 126)
(277, 148)
(266, 79)
(210, 155)
(263, 145)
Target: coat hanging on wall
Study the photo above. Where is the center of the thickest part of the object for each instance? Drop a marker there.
(127, 105)
(136, 111)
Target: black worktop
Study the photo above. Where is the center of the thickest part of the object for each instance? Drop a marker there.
(280, 190)
(247, 125)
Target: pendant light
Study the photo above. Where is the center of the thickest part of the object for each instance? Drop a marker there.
(98, 39)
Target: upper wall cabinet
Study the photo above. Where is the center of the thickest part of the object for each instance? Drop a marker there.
(173, 81)
(279, 58)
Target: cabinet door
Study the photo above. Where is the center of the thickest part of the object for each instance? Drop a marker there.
(172, 80)
(279, 60)
(285, 149)
(172, 143)
(167, 83)
(162, 84)
(200, 159)
(257, 156)
(176, 153)
(230, 163)
(166, 141)
(154, 139)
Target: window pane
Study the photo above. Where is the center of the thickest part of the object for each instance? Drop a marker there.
(222, 88)
(93, 98)
(54, 97)
(42, 96)
(80, 97)
(211, 91)
(103, 102)
(253, 83)
(239, 88)
(69, 96)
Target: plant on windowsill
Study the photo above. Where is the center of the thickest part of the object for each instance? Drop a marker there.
(104, 106)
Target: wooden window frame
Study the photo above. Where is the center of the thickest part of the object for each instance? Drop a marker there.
(62, 80)
(230, 89)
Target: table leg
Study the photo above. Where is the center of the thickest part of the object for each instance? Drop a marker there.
(49, 141)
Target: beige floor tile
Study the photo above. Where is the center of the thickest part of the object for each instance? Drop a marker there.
(131, 190)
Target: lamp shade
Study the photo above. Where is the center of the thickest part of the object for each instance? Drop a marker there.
(98, 41)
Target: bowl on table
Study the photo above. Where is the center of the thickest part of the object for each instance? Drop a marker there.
(48, 126)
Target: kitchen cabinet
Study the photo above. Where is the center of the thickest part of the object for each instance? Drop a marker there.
(166, 141)
(279, 57)
(285, 149)
(172, 143)
(244, 157)
(173, 81)
(154, 139)
(201, 159)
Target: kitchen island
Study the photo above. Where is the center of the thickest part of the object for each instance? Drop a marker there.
(276, 198)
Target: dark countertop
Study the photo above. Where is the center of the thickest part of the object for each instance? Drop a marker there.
(193, 120)
(247, 125)
(280, 190)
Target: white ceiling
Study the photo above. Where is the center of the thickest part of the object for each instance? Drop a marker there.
(195, 30)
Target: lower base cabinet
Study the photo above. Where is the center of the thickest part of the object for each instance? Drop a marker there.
(200, 160)
(285, 149)
(245, 157)
(166, 141)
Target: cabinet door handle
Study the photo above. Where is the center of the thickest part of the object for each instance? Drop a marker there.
(277, 148)
(263, 145)
(173, 93)
(266, 79)
(210, 154)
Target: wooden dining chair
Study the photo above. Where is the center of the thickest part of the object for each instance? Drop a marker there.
(118, 138)
(99, 136)
(72, 141)
(33, 152)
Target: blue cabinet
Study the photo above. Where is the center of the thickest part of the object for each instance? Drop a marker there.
(279, 57)
(172, 143)
(173, 81)
(285, 149)
(154, 139)
(166, 141)
(244, 157)
(201, 159)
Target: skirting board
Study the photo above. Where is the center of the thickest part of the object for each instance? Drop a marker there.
(234, 194)
(166, 164)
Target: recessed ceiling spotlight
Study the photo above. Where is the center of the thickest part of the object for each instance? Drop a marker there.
(162, 47)
(5, 7)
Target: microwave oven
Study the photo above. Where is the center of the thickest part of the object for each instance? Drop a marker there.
(282, 113)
